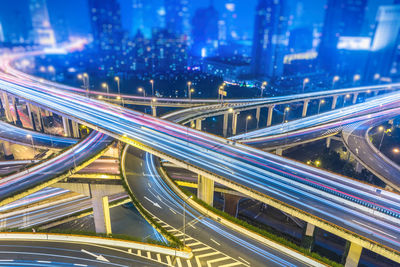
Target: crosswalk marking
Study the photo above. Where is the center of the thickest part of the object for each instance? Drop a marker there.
(217, 260)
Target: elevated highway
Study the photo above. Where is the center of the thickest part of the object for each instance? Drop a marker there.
(356, 139)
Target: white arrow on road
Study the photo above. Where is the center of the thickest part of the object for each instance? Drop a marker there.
(154, 203)
(98, 257)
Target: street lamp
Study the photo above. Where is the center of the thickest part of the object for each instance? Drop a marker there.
(188, 87)
(287, 109)
(184, 219)
(334, 80)
(344, 99)
(305, 81)
(382, 129)
(116, 78)
(263, 86)
(105, 85)
(356, 78)
(190, 93)
(29, 136)
(86, 76)
(396, 150)
(247, 120)
(377, 76)
(319, 105)
(141, 90)
(152, 87)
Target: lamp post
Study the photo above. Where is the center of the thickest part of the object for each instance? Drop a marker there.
(356, 78)
(344, 99)
(263, 86)
(116, 78)
(184, 220)
(86, 76)
(152, 87)
(305, 81)
(188, 87)
(382, 129)
(319, 105)
(80, 77)
(29, 136)
(247, 120)
(190, 93)
(141, 90)
(334, 80)
(105, 85)
(287, 109)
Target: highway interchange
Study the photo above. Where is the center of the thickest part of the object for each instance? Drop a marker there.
(266, 173)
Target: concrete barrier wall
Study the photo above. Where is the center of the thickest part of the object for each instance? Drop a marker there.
(96, 241)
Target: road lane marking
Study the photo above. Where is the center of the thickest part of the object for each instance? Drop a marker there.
(370, 227)
(244, 260)
(215, 242)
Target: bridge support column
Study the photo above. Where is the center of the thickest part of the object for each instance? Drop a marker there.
(101, 214)
(67, 129)
(6, 105)
(355, 98)
(8, 155)
(234, 122)
(231, 203)
(353, 256)
(334, 102)
(75, 129)
(270, 112)
(258, 110)
(225, 124)
(308, 237)
(305, 108)
(205, 189)
(154, 111)
(279, 151)
(359, 167)
(31, 116)
(198, 124)
(2, 111)
(328, 142)
(18, 121)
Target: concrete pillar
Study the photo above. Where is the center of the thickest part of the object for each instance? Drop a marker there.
(198, 124)
(101, 214)
(359, 167)
(258, 109)
(154, 111)
(353, 257)
(30, 114)
(270, 112)
(328, 142)
(334, 101)
(67, 130)
(18, 121)
(6, 105)
(8, 155)
(2, 112)
(355, 98)
(305, 108)
(234, 122)
(279, 151)
(225, 124)
(231, 203)
(308, 237)
(205, 189)
(75, 129)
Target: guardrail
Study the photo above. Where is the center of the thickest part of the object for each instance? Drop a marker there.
(97, 241)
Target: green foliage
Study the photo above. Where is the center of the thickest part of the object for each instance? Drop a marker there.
(271, 236)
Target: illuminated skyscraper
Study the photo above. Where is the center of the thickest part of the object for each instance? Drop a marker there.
(177, 16)
(270, 38)
(42, 31)
(205, 31)
(385, 43)
(342, 18)
(105, 17)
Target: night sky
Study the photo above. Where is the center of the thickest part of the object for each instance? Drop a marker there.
(305, 12)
